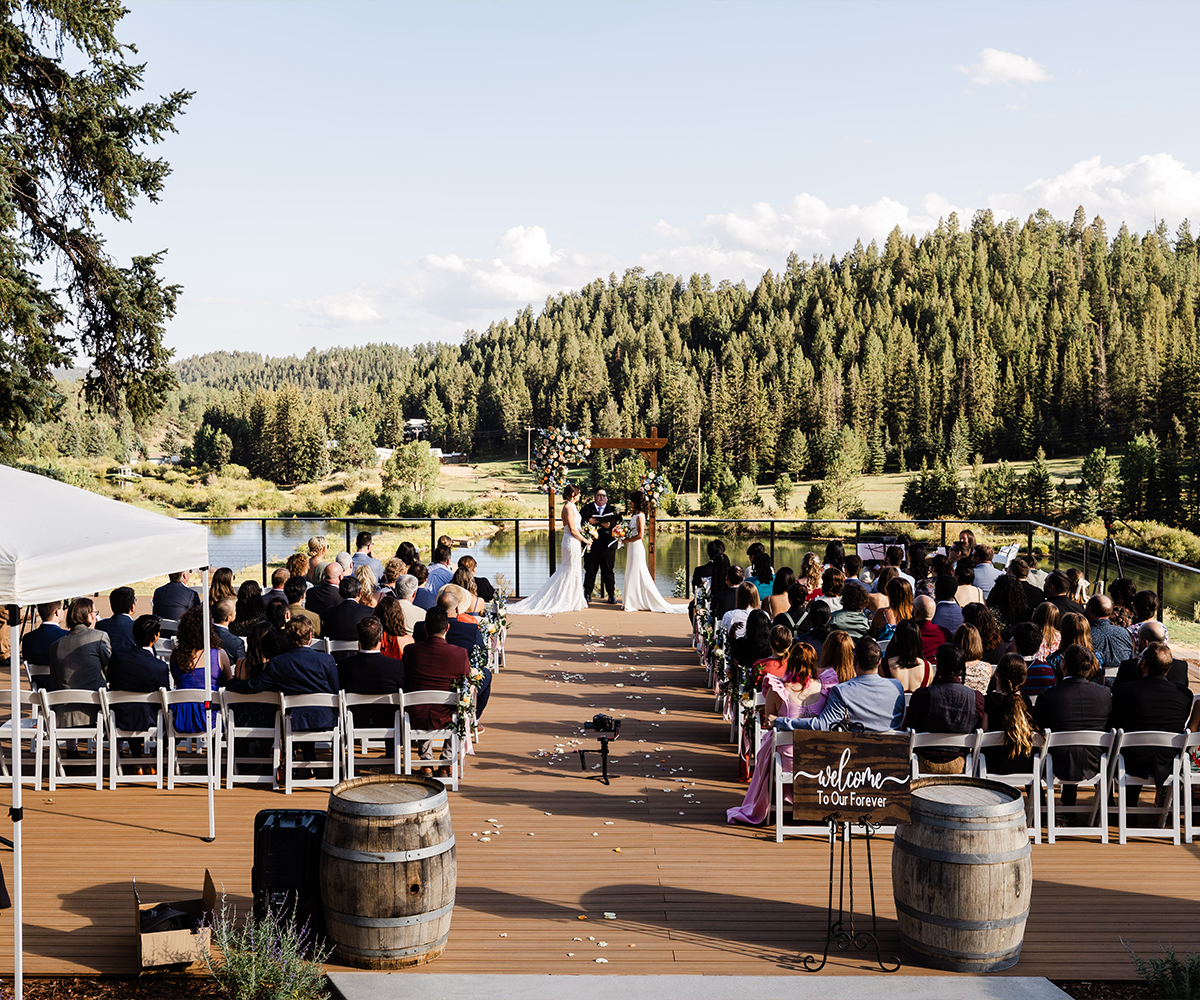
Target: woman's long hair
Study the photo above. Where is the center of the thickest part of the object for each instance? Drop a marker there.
(391, 613)
(783, 581)
(762, 567)
(1008, 600)
(1015, 721)
(263, 641)
(720, 572)
(981, 616)
(1045, 617)
(801, 664)
(222, 586)
(249, 601)
(835, 555)
(810, 571)
(1074, 630)
(747, 596)
(838, 653)
(906, 644)
(189, 639)
(900, 598)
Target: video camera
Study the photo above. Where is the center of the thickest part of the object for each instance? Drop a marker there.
(604, 724)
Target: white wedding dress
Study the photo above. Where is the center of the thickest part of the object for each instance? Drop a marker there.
(638, 593)
(564, 590)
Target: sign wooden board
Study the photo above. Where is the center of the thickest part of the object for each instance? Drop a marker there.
(853, 775)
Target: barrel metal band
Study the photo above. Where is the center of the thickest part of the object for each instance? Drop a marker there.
(975, 956)
(420, 918)
(422, 949)
(958, 824)
(387, 857)
(959, 924)
(995, 858)
(929, 808)
(352, 808)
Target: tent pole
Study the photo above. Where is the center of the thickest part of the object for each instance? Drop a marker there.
(14, 622)
(208, 721)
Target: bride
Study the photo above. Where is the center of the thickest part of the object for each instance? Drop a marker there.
(564, 590)
(638, 592)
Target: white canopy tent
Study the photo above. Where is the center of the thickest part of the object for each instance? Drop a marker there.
(56, 542)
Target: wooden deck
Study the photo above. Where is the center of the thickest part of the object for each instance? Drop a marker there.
(691, 894)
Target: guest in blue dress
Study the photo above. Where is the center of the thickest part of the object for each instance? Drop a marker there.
(185, 663)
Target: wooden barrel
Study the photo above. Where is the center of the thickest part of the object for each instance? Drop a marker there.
(962, 874)
(388, 871)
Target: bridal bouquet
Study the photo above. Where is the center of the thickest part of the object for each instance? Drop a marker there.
(590, 533)
(619, 532)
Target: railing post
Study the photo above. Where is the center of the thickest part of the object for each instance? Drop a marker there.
(1029, 536)
(943, 535)
(772, 543)
(432, 539)
(687, 553)
(1160, 591)
(264, 551)
(517, 552)
(857, 536)
(348, 549)
(1056, 535)
(1086, 560)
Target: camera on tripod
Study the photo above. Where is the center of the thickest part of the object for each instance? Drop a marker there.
(1108, 516)
(605, 728)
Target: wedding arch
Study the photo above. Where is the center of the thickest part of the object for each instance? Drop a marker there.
(552, 459)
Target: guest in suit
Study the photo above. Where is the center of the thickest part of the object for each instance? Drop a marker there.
(119, 627)
(279, 580)
(172, 599)
(35, 647)
(433, 665)
(325, 595)
(365, 554)
(370, 672)
(424, 598)
(1056, 589)
(1152, 703)
(1130, 670)
(222, 615)
(138, 669)
(340, 621)
(462, 631)
(294, 590)
(78, 660)
(947, 611)
(1075, 703)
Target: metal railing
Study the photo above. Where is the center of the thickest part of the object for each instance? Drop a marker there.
(1063, 547)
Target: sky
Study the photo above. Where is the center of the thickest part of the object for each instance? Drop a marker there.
(351, 173)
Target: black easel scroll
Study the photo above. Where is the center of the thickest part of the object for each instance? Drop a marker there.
(845, 778)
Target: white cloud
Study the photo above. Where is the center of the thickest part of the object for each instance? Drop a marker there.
(356, 308)
(995, 66)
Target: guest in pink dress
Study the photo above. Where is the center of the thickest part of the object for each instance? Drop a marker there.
(800, 692)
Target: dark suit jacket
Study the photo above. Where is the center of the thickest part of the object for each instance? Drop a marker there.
(464, 635)
(78, 660)
(371, 673)
(136, 669)
(1065, 605)
(298, 671)
(725, 602)
(1150, 704)
(608, 520)
(232, 644)
(424, 599)
(1074, 704)
(119, 629)
(321, 598)
(432, 665)
(484, 588)
(35, 647)
(1033, 596)
(1130, 671)
(340, 622)
(171, 600)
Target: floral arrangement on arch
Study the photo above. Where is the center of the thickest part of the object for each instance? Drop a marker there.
(655, 486)
(554, 452)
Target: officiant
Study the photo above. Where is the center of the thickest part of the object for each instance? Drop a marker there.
(603, 554)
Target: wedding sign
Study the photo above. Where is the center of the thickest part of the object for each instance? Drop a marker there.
(855, 775)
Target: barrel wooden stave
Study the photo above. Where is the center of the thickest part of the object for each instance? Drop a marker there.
(963, 882)
(388, 913)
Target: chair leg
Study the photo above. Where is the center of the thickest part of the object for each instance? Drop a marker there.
(1122, 806)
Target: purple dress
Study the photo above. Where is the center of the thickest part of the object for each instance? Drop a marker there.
(189, 718)
(757, 804)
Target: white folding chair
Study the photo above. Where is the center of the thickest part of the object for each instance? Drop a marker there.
(760, 702)
(355, 732)
(1175, 742)
(1098, 809)
(446, 735)
(1191, 781)
(38, 675)
(1006, 554)
(1030, 782)
(163, 648)
(967, 742)
(75, 699)
(289, 703)
(784, 776)
(31, 730)
(153, 699)
(168, 625)
(340, 646)
(231, 703)
(209, 738)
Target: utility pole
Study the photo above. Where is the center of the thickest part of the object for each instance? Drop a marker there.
(699, 459)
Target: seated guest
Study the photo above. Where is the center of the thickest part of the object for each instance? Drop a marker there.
(932, 634)
(222, 615)
(837, 656)
(423, 597)
(263, 642)
(906, 660)
(1111, 643)
(986, 573)
(816, 627)
(777, 602)
(440, 570)
(947, 611)
(1151, 704)
(835, 555)
(277, 614)
(369, 671)
(1057, 588)
(1145, 609)
(726, 600)
(994, 645)
(340, 622)
(138, 669)
(879, 598)
(297, 566)
(1077, 586)
(852, 567)
(1074, 704)
(294, 590)
(433, 665)
(810, 574)
(1036, 576)
(877, 703)
(325, 594)
(832, 582)
(1007, 709)
(346, 561)
(1008, 602)
(173, 598)
(409, 554)
(764, 574)
(119, 627)
(716, 553)
(464, 579)
(792, 617)
(754, 643)
(188, 668)
(368, 587)
(79, 660)
(1019, 569)
(946, 706)
(396, 633)
(1130, 670)
(406, 588)
(462, 630)
(918, 569)
(35, 646)
(1045, 617)
(774, 664)
(1027, 639)
(1074, 630)
(483, 586)
(1122, 592)
(894, 556)
(853, 616)
(318, 550)
(221, 586)
(393, 569)
(978, 670)
(248, 609)
(967, 592)
(899, 609)
(278, 579)
(365, 554)
(746, 601)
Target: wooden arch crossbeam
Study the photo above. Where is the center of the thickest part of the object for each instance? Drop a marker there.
(649, 448)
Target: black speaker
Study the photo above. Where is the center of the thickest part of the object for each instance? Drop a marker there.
(287, 866)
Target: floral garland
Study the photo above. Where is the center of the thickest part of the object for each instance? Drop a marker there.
(655, 486)
(467, 689)
(554, 451)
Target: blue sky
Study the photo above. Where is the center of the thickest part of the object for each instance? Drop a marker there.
(355, 172)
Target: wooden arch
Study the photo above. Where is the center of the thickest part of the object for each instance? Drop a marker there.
(649, 448)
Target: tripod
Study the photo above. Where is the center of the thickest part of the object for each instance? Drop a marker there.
(1110, 546)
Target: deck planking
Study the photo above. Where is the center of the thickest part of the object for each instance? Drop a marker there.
(691, 894)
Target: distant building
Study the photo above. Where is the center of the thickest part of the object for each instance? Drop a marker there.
(416, 430)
